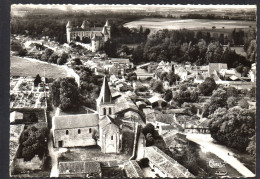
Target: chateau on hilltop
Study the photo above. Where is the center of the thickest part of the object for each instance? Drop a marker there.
(95, 36)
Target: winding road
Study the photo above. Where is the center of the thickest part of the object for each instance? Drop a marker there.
(206, 142)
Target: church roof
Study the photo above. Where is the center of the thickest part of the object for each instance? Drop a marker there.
(75, 121)
(107, 23)
(94, 37)
(108, 120)
(69, 24)
(105, 31)
(105, 93)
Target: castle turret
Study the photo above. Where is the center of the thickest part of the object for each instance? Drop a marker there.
(106, 34)
(105, 103)
(85, 25)
(108, 28)
(94, 43)
(68, 31)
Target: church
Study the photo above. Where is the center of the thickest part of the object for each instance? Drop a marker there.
(100, 128)
(95, 37)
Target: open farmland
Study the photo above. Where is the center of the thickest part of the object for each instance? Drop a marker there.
(24, 67)
(173, 24)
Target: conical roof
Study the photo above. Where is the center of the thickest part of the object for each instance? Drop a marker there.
(83, 24)
(105, 31)
(105, 93)
(69, 24)
(94, 37)
(107, 24)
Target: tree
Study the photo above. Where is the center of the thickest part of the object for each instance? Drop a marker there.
(48, 52)
(207, 86)
(110, 47)
(252, 92)
(149, 139)
(251, 148)
(53, 58)
(157, 86)
(33, 142)
(243, 103)
(37, 80)
(65, 94)
(76, 61)
(231, 101)
(217, 100)
(61, 61)
(233, 127)
(168, 95)
(22, 52)
(149, 128)
(232, 91)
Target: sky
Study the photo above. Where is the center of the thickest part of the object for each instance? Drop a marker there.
(126, 7)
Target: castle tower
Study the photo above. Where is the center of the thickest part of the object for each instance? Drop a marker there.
(105, 103)
(106, 34)
(68, 31)
(94, 43)
(85, 25)
(108, 28)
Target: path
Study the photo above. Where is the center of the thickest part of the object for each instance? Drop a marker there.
(140, 148)
(206, 142)
(54, 157)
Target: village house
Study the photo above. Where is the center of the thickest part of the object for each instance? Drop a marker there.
(150, 116)
(157, 101)
(79, 169)
(142, 74)
(164, 165)
(16, 117)
(175, 141)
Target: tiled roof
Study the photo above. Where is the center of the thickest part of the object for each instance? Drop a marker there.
(216, 67)
(165, 163)
(132, 169)
(120, 60)
(155, 99)
(108, 120)
(75, 121)
(79, 167)
(165, 118)
(150, 115)
(124, 103)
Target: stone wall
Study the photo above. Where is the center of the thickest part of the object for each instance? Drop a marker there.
(75, 137)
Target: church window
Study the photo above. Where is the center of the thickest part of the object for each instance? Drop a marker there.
(104, 111)
(67, 132)
(111, 137)
(79, 131)
(110, 111)
(89, 130)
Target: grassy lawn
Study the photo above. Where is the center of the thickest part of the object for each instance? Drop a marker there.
(23, 67)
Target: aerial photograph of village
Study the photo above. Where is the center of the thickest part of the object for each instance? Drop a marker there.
(132, 91)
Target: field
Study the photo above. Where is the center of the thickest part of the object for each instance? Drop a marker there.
(172, 24)
(24, 67)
